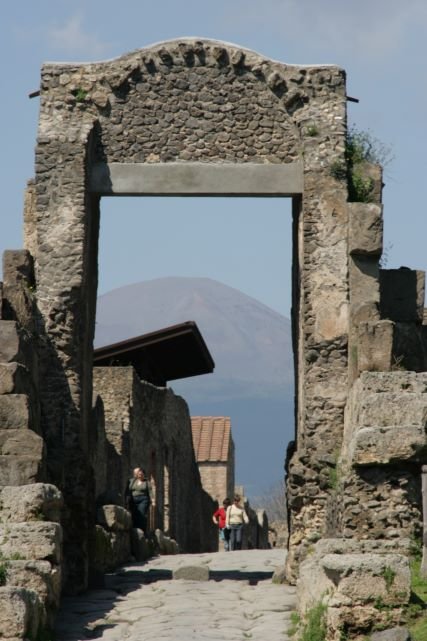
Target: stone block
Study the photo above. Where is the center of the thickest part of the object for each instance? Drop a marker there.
(401, 408)
(10, 342)
(366, 229)
(387, 445)
(120, 548)
(350, 577)
(34, 540)
(375, 346)
(364, 281)
(392, 634)
(165, 544)
(21, 457)
(191, 573)
(40, 576)
(20, 613)
(30, 502)
(141, 547)
(402, 294)
(101, 559)
(386, 418)
(114, 517)
(14, 411)
(19, 470)
(14, 379)
(314, 582)
(361, 578)
(112, 549)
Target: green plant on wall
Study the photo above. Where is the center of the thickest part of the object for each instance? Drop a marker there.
(415, 613)
(388, 575)
(314, 627)
(360, 147)
(80, 94)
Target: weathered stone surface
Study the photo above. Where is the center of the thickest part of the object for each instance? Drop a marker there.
(102, 556)
(362, 578)
(402, 294)
(386, 445)
(192, 573)
(14, 379)
(352, 578)
(366, 229)
(40, 576)
(21, 457)
(393, 634)
(34, 540)
(141, 547)
(166, 545)
(14, 411)
(10, 349)
(375, 346)
(114, 517)
(386, 418)
(30, 502)
(112, 549)
(19, 613)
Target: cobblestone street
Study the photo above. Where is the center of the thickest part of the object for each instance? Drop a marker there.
(143, 602)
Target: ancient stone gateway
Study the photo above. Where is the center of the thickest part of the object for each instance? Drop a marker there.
(199, 117)
(186, 117)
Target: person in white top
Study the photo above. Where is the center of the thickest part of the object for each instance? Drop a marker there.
(234, 520)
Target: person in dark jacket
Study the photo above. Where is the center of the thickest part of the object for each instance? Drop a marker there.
(139, 496)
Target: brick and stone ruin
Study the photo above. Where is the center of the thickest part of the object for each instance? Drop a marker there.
(197, 117)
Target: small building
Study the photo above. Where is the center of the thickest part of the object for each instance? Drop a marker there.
(214, 450)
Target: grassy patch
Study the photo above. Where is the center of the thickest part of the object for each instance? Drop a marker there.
(416, 611)
(314, 626)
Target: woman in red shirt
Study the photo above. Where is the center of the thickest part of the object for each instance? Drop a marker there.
(219, 519)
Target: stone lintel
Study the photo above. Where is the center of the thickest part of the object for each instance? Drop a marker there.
(196, 179)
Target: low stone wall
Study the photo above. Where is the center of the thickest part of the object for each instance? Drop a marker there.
(30, 559)
(140, 424)
(362, 584)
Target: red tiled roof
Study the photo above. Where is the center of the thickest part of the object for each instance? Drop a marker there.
(211, 438)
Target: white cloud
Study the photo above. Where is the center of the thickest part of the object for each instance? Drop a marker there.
(74, 39)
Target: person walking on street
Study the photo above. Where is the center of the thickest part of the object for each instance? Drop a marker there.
(139, 498)
(235, 518)
(219, 518)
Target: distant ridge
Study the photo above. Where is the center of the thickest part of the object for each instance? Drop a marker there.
(251, 346)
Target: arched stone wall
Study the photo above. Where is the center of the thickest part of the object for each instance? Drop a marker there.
(205, 117)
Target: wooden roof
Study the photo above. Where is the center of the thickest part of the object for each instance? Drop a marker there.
(211, 438)
(174, 352)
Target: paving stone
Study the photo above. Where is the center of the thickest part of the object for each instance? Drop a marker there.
(169, 610)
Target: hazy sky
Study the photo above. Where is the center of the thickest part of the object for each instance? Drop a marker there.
(243, 243)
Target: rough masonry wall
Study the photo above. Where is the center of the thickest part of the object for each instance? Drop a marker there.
(192, 100)
(149, 426)
(214, 480)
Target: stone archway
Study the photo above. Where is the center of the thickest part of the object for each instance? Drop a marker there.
(189, 117)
